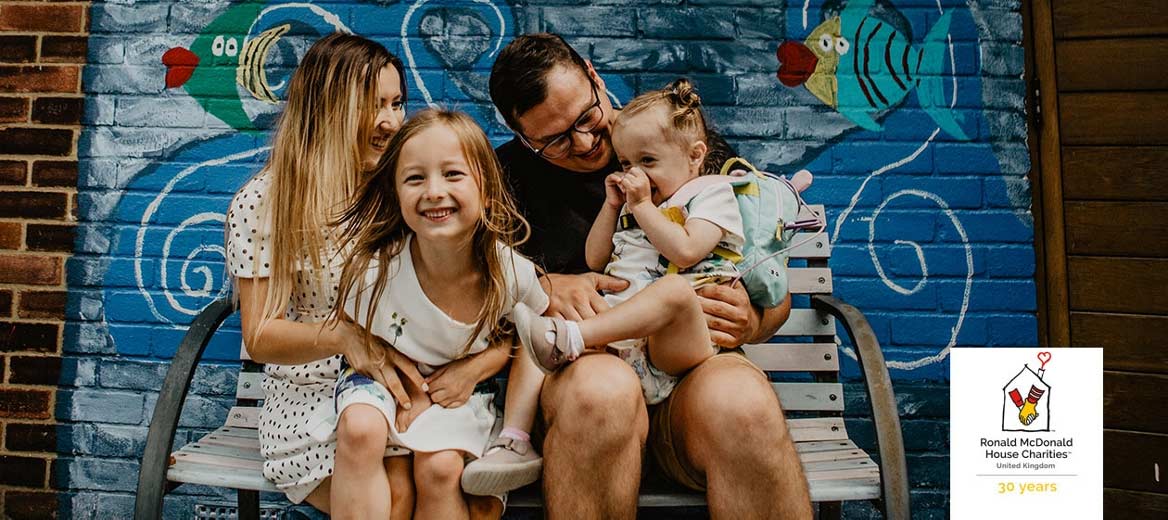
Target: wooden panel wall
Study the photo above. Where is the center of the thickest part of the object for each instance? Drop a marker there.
(1111, 63)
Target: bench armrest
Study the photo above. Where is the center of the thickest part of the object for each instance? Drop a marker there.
(894, 473)
(164, 422)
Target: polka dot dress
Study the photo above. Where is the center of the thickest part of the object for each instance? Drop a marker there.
(293, 460)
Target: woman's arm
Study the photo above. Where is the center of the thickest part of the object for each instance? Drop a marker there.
(286, 342)
(452, 385)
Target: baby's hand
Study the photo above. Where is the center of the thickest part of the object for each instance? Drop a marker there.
(635, 184)
(613, 196)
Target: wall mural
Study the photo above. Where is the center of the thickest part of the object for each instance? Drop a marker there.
(910, 113)
(846, 74)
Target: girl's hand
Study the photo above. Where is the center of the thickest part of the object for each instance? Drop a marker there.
(452, 385)
(635, 185)
(366, 360)
(406, 416)
(613, 196)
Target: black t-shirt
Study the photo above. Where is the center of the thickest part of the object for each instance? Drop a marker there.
(559, 204)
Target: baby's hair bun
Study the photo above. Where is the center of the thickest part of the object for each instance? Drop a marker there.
(684, 93)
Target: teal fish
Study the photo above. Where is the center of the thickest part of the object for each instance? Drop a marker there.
(860, 65)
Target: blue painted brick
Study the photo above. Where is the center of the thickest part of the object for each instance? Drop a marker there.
(917, 329)
(864, 158)
(1010, 261)
(1020, 330)
(747, 121)
(837, 191)
(763, 89)
(1008, 192)
(733, 57)
(104, 440)
(115, 18)
(851, 260)
(964, 159)
(764, 24)
(992, 295)
(684, 24)
(713, 89)
(95, 474)
(87, 338)
(955, 192)
(617, 54)
(78, 372)
(592, 21)
(93, 405)
(873, 294)
(983, 226)
(133, 375)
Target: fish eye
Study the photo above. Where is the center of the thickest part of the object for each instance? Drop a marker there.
(842, 46)
(217, 46)
(825, 43)
(231, 48)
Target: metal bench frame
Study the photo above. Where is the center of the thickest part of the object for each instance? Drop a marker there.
(893, 499)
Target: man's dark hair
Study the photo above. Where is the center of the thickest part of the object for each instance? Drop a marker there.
(519, 76)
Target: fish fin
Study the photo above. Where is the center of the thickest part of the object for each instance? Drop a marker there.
(930, 74)
(861, 118)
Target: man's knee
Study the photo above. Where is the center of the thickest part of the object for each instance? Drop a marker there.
(597, 395)
(732, 405)
(440, 470)
(362, 428)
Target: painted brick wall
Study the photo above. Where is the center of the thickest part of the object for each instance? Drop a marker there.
(930, 221)
(42, 47)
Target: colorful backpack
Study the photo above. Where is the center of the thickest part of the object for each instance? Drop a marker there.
(769, 205)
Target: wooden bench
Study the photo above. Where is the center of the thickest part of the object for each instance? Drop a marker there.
(837, 470)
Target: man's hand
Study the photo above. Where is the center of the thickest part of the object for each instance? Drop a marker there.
(729, 315)
(576, 296)
(636, 186)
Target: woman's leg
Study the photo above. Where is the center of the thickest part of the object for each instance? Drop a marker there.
(668, 313)
(484, 508)
(436, 479)
(359, 479)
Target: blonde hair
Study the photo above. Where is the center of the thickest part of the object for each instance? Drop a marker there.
(377, 231)
(316, 158)
(684, 122)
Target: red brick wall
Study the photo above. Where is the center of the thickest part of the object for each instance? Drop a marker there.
(42, 49)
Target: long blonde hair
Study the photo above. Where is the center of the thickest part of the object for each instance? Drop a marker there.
(316, 159)
(375, 228)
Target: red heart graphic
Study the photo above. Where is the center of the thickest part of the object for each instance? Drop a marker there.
(1044, 357)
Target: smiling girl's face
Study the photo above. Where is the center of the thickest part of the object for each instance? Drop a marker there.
(438, 190)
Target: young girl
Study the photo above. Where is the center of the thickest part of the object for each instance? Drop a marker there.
(344, 101)
(663, 238)
(432, 273)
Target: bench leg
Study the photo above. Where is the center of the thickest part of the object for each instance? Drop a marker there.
(829, 511)
(249, 504)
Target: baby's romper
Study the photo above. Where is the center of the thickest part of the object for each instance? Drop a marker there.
(635, 259)
(294, 461)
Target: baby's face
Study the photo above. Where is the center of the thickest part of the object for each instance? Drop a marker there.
(641, 141)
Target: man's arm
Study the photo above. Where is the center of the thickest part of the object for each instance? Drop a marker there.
(733, 320)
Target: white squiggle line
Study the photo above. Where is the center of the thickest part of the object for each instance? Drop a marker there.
(891, 166)
(806, 4)
(616, 103)
(410, 54)
(329, 17)
(880, 267)
(190, 221)
(140, 242)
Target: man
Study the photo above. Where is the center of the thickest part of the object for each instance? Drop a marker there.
(721, 431)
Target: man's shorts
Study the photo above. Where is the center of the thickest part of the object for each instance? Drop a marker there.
(673, 463)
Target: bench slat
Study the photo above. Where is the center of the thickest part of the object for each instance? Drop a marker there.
(817, 429)
(194, 473)
(246, 433)
(789, 357)
(207, 459)
(838, 465)
(243, 417)
(824, 456)
(816, 248)
(828, 397)
(818, 446)
(246, 453)
(862, 488)
(808, 322)
(215, 439)
(809, 280)
(250, 385)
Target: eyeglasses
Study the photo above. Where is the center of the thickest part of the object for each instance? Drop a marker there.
(560, 143)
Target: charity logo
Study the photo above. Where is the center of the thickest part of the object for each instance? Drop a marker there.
(1026, 400)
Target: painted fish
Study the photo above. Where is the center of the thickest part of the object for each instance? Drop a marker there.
(859, 65)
